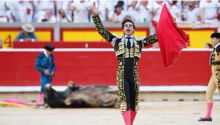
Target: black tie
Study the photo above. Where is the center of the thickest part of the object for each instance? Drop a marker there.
(129, 43)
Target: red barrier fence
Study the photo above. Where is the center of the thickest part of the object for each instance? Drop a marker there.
(98, 66)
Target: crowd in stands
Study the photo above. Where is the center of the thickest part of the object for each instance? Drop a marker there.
(79, 11)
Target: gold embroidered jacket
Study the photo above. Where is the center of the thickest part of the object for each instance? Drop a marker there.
(123, 52)
(215, 62)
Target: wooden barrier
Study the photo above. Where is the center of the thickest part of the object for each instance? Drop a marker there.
(98, 66)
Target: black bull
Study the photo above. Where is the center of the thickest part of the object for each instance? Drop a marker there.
(81, 97)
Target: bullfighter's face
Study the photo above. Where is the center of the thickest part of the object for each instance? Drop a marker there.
(128, 29)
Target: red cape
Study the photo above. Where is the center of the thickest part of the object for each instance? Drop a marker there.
(171, 39)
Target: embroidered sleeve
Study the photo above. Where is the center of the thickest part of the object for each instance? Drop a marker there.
(150, 40)
(213, 61)
(101, 29)
(218, 49)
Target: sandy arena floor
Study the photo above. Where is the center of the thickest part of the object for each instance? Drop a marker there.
(151, 113)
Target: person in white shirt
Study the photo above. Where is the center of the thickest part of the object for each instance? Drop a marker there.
(191, 13)
(103, 8)
(21, 10)
(117, 15)
(112, 3)
(60, 4)
(175, 11)
(156, 9)
(48, 17)
(62, 18)
(144, 9)
(133, 12)
(42, 6)
(5, 12)
(209, 9)
(25, 9)
(81, 10)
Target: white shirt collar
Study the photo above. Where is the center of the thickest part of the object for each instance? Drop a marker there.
(129, 36)
(45, 53)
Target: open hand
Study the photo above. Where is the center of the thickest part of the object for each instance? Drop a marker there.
(94, 10)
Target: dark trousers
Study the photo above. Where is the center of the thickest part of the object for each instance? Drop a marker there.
(129, 83)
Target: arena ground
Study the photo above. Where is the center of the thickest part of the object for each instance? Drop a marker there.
(156, 109)
(151, 113)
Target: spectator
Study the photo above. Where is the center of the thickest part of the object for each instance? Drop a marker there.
(209, 11)
(103, 8)
(123, 3)
(118, 15)
(112, 3)
(70, 10)
(132, 11)
(5, 12)
(81, 10)
(27, 33)
(219, 10)
(22, 11)
(144, 11)
(25, 9)
(156, 9)
(191, 13)
(175, 11)
(42, 7)
(48, 17)
(62, 18)
(46, 66)
(60, 4)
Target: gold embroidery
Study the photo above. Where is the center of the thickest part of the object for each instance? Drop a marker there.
(150, 40)
(137, 84)
(101, 29)
(120, 84)
(134, 51)
(123, 52)
(215, 62)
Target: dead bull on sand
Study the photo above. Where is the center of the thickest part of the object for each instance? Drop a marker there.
(80, 97)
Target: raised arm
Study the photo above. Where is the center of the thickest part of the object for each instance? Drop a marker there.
(150, 40)
(99, 26)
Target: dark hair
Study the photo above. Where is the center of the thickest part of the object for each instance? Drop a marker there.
(121, 2)
(60, 11)
(49, 47)
(125, 21)
(174, 2)
(216, 35)
(118, 5)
